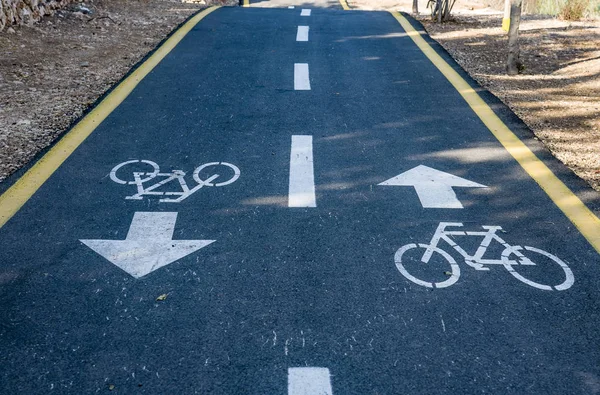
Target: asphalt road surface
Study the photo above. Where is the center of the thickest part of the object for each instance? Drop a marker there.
(298, 203)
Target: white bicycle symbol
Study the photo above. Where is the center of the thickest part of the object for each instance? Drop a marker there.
(140, 178)
(476, 260)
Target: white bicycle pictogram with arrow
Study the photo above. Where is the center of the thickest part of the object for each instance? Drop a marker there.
(512, 257)
(142, 179)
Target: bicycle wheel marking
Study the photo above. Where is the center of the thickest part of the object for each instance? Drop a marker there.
(157, 183)
(455, 269)
(569, 278)
(115, 178)
(476, 260)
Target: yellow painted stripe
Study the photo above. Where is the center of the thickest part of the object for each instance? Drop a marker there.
(344, 4)
(246, 3)
(16, 196)
(582, 217)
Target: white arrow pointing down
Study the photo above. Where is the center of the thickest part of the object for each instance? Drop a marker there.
(433, 187)
(149, 244)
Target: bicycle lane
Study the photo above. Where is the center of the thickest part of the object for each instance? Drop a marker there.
(87, 324)
(285, 287)
(487, 332)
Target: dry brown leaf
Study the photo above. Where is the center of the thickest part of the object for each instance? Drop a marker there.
(162, 297)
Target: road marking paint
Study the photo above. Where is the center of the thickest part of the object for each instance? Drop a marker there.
(574, 209)
(309, 381)
(175, 179)
(302, 178)
(305, 12)
(302, 34)
(148, 246)
(301, 79)
(291, 7)
(16, 196)
(520, 257)
(246, 3)
(345, 5)
(433, 187)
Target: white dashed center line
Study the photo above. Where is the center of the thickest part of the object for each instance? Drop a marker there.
(301, 79)
(302, 178)
(305, 12)
(302, 34)
(309, 381)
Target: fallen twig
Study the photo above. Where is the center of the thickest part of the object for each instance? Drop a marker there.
(103, 17)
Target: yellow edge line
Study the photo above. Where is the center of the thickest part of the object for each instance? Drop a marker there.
(582, 217)
(344, 4)
(16, 196)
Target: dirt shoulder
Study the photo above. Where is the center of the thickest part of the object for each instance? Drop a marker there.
(558, 94)
(51, 72)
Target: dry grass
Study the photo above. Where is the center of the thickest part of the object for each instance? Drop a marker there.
(573, 10)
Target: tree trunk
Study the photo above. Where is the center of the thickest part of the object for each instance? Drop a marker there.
(513, 64)
(416, 7)
(446, 14)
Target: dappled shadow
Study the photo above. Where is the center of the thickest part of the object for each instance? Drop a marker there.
(373, 37)
(349, 180)
(545, 50)
(556, 95)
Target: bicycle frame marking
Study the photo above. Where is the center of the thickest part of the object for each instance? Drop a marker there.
(140, 179)
(476, 260)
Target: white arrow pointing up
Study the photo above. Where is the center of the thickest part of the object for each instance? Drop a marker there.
(149, 244)
(433, 187)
